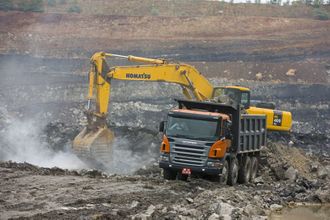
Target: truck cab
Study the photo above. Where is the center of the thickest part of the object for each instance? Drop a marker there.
(196, 140)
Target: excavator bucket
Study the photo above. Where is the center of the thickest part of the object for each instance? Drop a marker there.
(94, 146)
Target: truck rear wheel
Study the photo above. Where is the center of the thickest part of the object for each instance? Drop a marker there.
(233, 172)
(254, 168)
(244, 173)
(169, 174)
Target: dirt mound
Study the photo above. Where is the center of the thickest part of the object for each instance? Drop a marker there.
(286, 157)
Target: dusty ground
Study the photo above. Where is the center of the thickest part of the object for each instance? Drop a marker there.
(43, 65)
(41, 193)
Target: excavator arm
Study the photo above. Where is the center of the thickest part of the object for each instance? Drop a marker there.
(192, 82)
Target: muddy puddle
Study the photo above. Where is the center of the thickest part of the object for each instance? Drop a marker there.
(313, 212)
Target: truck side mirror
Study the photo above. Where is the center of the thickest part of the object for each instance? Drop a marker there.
(162, 126)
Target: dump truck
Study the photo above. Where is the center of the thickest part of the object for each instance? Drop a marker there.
(95, 140)
(211, 139)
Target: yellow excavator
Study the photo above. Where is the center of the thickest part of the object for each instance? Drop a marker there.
(96, 138)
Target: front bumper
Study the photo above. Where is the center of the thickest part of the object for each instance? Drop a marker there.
(194, 170)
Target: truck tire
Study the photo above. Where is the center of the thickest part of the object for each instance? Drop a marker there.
(224, 173)
(244, 173)
(169, 174)
(232, 172)
(182, 177)
(254, 168)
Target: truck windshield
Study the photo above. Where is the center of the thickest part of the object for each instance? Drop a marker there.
(192, 128)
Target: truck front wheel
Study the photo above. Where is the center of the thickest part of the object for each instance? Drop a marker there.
(233, 172)
(169, 174)
(224, 173)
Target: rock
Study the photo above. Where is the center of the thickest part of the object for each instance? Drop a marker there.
(259, 217)
(328, 169)
(258, 180)
(145, 216)
(291, 72)
(259, 76)
(181, 217)
(291, 174)
(314, 167)
(276, 207)
(250, 210)
(150, 210)
(164, 210)
(279, 172)
(134, 204)
(141, 216)
(323, 195)
(322, 172)
(190, 200)
(226, 210)
(214, 216)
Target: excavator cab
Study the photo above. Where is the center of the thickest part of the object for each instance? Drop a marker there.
(236, 94)
(276, 120)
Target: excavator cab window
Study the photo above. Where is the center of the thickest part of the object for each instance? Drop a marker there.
(236, 95)
(245, 99)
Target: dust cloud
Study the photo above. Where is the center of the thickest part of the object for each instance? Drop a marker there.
(130, 156)
(21, 142)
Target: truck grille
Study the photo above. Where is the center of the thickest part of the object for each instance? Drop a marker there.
(189, 155)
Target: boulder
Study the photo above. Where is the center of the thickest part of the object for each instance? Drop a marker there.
(291, 72)
(314, 167)
(322, 172)
(214, 216)
(291, 174)
(190, 200)
(276, 207)
(323, 195)
(259, 76)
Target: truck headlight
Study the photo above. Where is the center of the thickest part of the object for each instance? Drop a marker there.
(210, 164)
(163, 158)
(214, 164)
